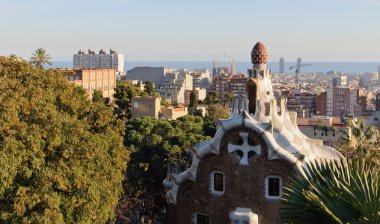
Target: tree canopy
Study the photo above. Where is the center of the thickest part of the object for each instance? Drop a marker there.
(123, 98)
(211, 98)
(217, 111)
(62, 158)
(156, 145)
(149, 88)
(193, 104)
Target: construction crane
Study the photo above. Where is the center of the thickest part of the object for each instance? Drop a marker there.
(298, 69)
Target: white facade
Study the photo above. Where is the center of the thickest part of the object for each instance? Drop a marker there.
(153, 74)
(329, 109)
(201, 93)
(174, 86)
(187, 80)
(91, 60)
(201, 78)
(331, 136)
(353, 99)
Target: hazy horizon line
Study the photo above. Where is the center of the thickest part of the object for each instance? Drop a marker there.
(234, 61)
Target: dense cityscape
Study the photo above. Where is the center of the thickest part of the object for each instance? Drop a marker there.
(135, 134)
(327, 98)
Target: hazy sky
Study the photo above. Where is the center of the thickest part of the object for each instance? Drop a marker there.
(197, 30)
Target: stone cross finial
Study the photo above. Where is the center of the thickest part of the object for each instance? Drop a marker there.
(245, 148)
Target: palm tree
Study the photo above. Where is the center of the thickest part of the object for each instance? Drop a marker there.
(40, 58)
(13, 57)
(361, 134)
(361, 142)
(345, 191)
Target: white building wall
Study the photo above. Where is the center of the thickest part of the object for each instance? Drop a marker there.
(96, 61)
(154, 74)
(181, 95)
(329, 110)
(202, 94)
(188, 81)
(353, 100)
(331, 137)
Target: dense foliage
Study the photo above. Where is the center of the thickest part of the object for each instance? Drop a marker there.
(363, 143)
(334, 192)
(217, 111)
(155, 146)
(123, 98)
(193, 104)
(62, 158)
(149, 88)
(211, 98)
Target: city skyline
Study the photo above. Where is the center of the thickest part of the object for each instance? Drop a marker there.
(168, 30)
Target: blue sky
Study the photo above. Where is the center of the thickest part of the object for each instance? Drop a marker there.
(197, 30)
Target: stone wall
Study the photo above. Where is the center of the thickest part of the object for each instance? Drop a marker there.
(244, 185)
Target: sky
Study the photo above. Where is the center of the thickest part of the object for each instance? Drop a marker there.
(196, 30)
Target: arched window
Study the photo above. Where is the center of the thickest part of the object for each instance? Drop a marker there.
(252, 95)
(217, 183)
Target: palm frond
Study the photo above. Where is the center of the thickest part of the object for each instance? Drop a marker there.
(39, 58)
(334, 192)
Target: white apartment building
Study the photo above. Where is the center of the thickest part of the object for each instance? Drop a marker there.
(91, 60)
(201, 78)
(153, 74)
(174, 86)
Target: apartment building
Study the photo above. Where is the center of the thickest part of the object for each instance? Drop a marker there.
(93, 79)
(174, 86)
(224, 84)
(91, 60)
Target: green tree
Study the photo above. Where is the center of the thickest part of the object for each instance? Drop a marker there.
(97, 96)
(155, 146)
(149, 88)
(193, 102)
(40, 58)
(362, 143)
(211, 98)
(215, 112)
(333, 192)
(165, 103)
(62, 158)
(123, 98)
(229, 98)
(198, 112)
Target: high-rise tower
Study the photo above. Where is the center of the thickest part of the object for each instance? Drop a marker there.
(281, 65)
(298, 70)
(299, 65)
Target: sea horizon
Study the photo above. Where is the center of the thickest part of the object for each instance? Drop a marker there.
(348, 67)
